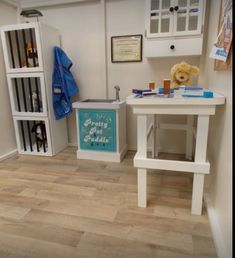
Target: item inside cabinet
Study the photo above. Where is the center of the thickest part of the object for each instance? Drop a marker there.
(22, 48)
(27, 94)
(32, 135)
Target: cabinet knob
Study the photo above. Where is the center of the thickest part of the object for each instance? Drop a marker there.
(176, 8)
(172, 47)
(171, 9)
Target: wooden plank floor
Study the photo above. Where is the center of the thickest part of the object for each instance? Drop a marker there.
(61, 207)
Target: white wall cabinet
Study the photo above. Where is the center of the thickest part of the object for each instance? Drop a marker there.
(29, 62)
(174, 27)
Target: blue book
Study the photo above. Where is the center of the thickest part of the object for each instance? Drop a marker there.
(140, 92)
(205, 94)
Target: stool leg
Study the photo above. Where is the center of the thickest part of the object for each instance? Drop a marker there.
(198, 183)
(200, 156)
(142, 187)
(189, 138)
(154, 138)
(142, 150)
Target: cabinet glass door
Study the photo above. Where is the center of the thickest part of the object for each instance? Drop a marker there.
(187, 17)
(160, 18)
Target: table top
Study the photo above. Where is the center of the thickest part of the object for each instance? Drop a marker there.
(151, 100)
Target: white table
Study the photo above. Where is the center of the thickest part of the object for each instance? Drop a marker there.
(178, 105)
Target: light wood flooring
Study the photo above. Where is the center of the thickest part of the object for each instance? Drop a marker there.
(61, 207)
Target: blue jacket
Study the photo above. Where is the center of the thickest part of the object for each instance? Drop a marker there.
(63, 84)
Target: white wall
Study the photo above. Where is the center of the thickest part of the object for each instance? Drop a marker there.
(219, 191)
(81, 27)
(126, 17)
(8, 15)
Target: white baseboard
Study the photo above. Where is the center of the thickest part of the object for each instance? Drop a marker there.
(72, 144)
(215, 227)
(8, 155)
(168, 150)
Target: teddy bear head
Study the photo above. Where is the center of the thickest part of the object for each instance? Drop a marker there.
(182, 73)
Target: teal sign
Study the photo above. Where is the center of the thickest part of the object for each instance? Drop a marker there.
(97, 129)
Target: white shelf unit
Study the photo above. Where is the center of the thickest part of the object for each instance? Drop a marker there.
(21, 87)
(29, 74)
(26, 138)
(14, 40)
(174, 28)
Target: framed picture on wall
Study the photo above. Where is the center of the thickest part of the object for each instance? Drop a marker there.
(126, 48)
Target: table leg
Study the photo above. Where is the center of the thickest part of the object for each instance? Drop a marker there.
(189, 137)
(142, 187)
(142, 150)
(200, 156)
(154, 143)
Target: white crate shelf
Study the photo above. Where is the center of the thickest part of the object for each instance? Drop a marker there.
(33, 136)
(27, 94)
(22, 48)
(29, 76)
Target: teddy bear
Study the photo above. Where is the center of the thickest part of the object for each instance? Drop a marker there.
(181, 74)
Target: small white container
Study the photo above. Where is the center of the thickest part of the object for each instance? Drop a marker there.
(181, 89)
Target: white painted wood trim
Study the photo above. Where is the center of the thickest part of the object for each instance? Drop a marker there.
(25, 70)
(36, 115)
(147, 18)
(150, 130)
(19, 142)
(142, 187)
(142, 150)
(5, 50)
(19, 26)
(102, 155)
(174, 165)
(17, 130)
(103, 15)
(13, 27)
(77, 126)
(8, 155)
(200, 156)
(117, 136)
(189, 138)
(11, 94)
(102, 105)
(142, 135)
(197, 196)
(184, 46)
(175, 110)
(35, 153)
(168, 150)
(49, 136)
(201, 138)
(45, 3)
(213, 218)
(42, 90)
(154, 136)
(153, 101)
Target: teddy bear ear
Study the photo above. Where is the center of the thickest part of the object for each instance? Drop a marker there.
(194, 69)
(173, 69)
